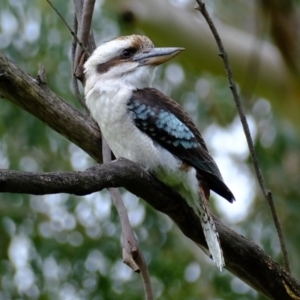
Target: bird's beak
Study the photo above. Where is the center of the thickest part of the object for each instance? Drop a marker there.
(156, 56)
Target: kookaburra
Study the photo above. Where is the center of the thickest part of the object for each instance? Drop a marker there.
(145, 126)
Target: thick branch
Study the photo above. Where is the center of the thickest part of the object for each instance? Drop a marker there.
(243, 258)
(40, 101)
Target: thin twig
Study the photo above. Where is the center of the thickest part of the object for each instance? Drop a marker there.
(132, 255)
(70, 29)
(267, 193)
(83, 49)
(42, 77)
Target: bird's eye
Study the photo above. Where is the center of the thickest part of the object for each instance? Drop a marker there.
(127, 53)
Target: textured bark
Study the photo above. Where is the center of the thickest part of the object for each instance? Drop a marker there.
(243, 258)
(36, 98)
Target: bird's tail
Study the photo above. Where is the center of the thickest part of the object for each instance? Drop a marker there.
(210, 231)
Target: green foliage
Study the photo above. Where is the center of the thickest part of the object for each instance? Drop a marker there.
(66, 247)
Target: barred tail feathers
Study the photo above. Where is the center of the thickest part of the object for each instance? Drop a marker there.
(194, 190)
(210, 231)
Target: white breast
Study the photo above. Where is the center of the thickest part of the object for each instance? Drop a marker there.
(109, 110)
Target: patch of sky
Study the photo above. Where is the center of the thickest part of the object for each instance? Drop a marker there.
(229, 149)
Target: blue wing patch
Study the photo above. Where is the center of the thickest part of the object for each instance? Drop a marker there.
(162, 124)
(172, 125)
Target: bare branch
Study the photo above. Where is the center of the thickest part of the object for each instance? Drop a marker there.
(82, 26)
(79, 48)
(132, 254)
(243, 258)
(40, 101)
(267, 193)
(86, 21)
(141, 262)
(83, 14)
(130, 243)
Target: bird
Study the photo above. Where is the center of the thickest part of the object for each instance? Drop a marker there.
(143, 125)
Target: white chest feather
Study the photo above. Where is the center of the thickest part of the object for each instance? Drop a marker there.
(109, 109)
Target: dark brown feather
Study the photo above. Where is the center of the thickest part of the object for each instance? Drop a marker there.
(149, 103)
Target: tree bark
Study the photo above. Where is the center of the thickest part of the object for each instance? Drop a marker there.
(36, 98)
(243, 258)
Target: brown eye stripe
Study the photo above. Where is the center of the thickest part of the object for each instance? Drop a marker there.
(103, 68)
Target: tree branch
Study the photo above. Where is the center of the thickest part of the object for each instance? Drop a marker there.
(40, 101)
(243, 258)
(266, 192)
(83, 14)
(132, 254)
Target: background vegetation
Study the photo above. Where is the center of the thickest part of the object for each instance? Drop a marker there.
(67, 247)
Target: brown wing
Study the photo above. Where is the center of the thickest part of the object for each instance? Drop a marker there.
(169, 125)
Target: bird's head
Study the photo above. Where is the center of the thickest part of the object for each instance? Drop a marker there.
(126, 61)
